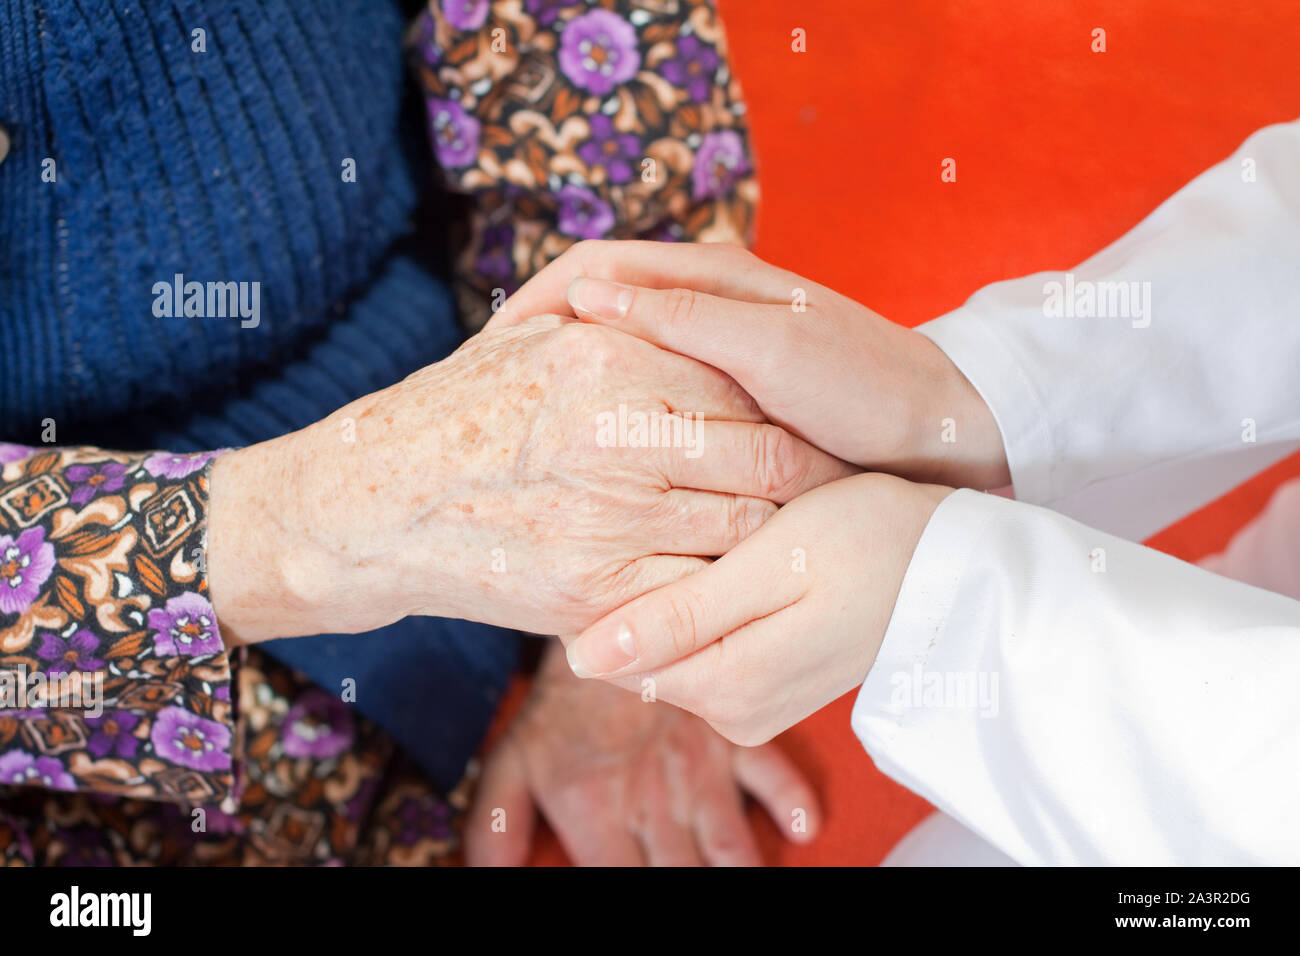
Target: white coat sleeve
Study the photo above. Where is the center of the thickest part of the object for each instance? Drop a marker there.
(1161, 372)
(1073, 697)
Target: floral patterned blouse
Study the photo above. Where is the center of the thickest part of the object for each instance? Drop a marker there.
(128, 732)
(576, 119)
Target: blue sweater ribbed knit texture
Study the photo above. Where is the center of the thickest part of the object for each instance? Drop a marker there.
(225, 166)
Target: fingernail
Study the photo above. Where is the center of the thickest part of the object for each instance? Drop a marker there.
(602, 652)
(600, 297)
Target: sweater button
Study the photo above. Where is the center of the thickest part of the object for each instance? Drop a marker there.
(4, 144)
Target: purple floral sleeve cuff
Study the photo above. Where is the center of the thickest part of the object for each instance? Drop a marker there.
(113, 674)
(577, 119)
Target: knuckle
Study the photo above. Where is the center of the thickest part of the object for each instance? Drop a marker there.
(582, 251)
(777, 464)
(737, 523)
(591, 345)
(682, 621)
(565, 336)
(759, 512)
(561, 343)
(680, 306)
(590, 257)
(747, 516)
(570, 262)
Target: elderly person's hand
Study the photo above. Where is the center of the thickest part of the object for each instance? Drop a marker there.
(624, 781)
(866, 389)
(780, 626)
(540, 476)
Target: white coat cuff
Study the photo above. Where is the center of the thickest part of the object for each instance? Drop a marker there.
(915, 633)
(979, 351)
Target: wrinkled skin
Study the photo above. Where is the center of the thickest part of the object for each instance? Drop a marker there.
(476, 489)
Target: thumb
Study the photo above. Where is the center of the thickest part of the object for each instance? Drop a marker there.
(675, 621)
(499, 828)
(725, 333)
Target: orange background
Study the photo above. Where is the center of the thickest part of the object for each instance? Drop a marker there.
(1059, 151)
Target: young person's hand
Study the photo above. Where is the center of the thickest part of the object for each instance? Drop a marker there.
(830, 370)
(507, 484)
(781, 625)
(624, 782)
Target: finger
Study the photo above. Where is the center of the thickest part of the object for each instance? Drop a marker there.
(594, 836)
(642, 575)
(717, 807)
(745, 458)
(726, 333)
(747, 684)
(783, 791)
(745, 584)
(499, 826)
(677, 385)
(689, 386)
(722, 833)
(703, 523)
(665, 837)
(666, 842)
(646, 574)
(714, 268)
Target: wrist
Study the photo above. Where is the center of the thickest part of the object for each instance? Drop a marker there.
(956, 439)
(271, 570)
(245, 561)
(910, 507)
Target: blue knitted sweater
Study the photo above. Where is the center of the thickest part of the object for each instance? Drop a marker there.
(142, 149)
